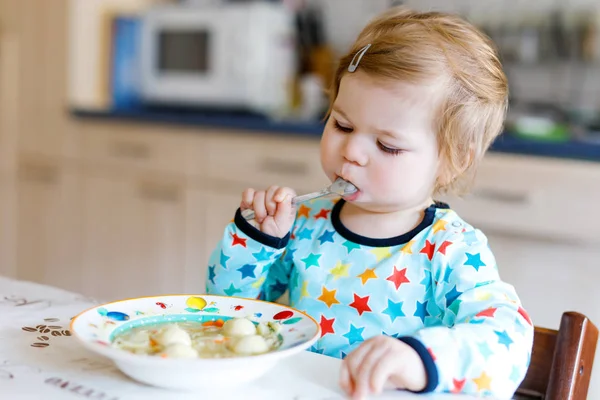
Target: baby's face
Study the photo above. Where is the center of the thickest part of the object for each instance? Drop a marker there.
(381, 137)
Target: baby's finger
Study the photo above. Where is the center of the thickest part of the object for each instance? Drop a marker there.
(282, 193)
(258, 204)
(270, 203)
(247, 199)
(354, 361)
(382, 371)
(364, 374)
(345, 379)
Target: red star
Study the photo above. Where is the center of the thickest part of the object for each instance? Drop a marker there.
(326, 325)
(487, 313)
(360, 303)
(459, 384)
(429, 249)
(322, 214)
(525, 315)
(238, 240)
(398, 277)
(444, 246)
(431, 353)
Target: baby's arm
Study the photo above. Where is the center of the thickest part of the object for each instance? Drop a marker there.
(248, 263)
(486, 338)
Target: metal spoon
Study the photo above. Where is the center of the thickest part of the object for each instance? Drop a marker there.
(339, 187)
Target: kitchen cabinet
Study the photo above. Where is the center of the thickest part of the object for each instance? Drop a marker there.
(133, 234)
(45, 127)
(8, 224)
(49, 223)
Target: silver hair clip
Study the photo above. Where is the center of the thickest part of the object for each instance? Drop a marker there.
(357, 57)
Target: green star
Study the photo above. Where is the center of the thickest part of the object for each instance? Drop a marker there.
(232, 290)
(351, 246)
(312, 259)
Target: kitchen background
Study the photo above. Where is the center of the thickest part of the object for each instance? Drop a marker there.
(126, 138)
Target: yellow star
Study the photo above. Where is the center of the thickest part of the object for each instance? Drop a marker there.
(304, 291)
(483, 295)
(368, 274)
(407, 249)
(439, 226)
(509, 299)
(483, 382)
(258, 283)
(381, 253)
(340, 270)
(328, 297)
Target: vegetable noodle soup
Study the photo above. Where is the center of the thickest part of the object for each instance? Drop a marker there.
(214, 339)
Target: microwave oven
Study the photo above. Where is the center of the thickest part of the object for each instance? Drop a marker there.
(233, 56)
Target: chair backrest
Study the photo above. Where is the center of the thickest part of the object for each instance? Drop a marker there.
(561, 362)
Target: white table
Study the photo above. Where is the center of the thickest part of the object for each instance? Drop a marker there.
(44, 363)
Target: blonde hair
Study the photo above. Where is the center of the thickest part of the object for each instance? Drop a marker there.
(420, 48)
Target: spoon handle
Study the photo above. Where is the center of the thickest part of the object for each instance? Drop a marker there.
(248, 214)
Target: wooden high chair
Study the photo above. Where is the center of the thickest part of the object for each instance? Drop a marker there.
(561, 362)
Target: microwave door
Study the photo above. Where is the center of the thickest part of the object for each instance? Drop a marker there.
(190, 64)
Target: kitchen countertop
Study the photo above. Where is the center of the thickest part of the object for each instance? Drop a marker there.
(506, 143)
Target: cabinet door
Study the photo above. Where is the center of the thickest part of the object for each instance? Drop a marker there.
(43, 32)
(9, 104)
(49, 219)
(133, 240)
(8, 204)
(196, 247)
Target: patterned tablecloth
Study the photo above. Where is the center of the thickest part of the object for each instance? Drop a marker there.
(39, 359)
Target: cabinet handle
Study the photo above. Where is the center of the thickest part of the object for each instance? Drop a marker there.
(162, 192)
(132, 150)
(502, 196)
(46, 174)
(277, 165)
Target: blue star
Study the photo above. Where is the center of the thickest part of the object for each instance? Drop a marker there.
(392, 335)
(393, 310)
(470, 238)
(232, 290)
(247, 271)
(447, 274)
(224, 259)
(504, 339)
(279, 287)
(305, 233)
(315, 350)
(421, 311)
(519, 327)
(289, 255)
(515, 374)
(452, 295)
(327, 236)
(343, 355)
(354, 334)
(485, 350)
(426, 279)
(262, 255)
(211, 273)
(477, 321)
(474, 260)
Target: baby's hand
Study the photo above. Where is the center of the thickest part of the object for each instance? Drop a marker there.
(273, 210)
(378, 362)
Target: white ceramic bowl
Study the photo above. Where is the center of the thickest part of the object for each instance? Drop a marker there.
(96, 329)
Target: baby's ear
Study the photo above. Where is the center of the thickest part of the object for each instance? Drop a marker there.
(451, 170)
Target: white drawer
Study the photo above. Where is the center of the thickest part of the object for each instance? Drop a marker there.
(534, 196)
(252, 160)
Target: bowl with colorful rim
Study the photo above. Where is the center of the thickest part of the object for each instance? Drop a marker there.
(97, 328)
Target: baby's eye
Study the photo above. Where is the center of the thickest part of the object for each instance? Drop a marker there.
(389, 150)
(345, 129)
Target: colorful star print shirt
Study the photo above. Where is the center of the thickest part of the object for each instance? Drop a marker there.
(436, 288)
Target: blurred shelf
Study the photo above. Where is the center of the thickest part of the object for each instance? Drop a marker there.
(240, 121)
